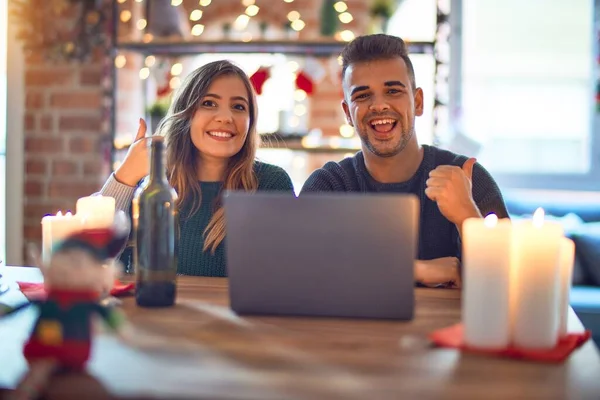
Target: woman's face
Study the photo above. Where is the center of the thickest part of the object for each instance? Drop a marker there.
(220, 124)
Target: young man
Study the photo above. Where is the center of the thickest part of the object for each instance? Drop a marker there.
(381, 101)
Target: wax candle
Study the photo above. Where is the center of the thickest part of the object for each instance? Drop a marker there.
(56, 228)
(536, 250)
(96, 211)
(567, 258)
(486, 282)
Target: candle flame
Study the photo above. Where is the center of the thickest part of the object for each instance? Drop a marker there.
(538, 218)
(490, 220)
(68, 214)
(59, 214)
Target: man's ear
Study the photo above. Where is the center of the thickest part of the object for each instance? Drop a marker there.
(419, 102)
(347, 113)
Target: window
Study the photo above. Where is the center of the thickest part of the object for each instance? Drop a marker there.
(527, 91)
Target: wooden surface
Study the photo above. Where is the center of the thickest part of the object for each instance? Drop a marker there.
(200, 349)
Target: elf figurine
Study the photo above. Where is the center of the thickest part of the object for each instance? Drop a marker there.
(75, 277)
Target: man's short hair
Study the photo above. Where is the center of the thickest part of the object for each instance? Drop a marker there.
(377, 47)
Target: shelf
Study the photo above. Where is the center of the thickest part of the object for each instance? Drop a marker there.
(312, 48)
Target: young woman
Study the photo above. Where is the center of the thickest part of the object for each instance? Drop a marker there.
(210, 133)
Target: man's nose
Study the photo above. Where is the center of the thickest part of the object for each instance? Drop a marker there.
(378, 104)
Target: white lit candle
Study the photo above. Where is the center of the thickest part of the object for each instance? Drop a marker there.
(96, 211)
(567, 258)
(486, 282)
(536, 250)
(56, 228)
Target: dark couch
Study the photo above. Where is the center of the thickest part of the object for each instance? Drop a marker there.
(581, 220)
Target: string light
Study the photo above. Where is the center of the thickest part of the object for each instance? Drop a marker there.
(252, 10)
(144, 73)
(288, 1)
(340, 6)
(141, 24)
(204, 3)
(345, 17)
(150, 60)
(247, 3)
(293, 66)
(176, 69)
(197, 29)
(298, 25)
(246, 37)
(175, 82)
(346, 131)
(176, 3)
(299, 95)
(121, 1)
(293, 15)
(195, 15)
(347, 35)
(241, 22)
(147, 38)
(138, 1)
(120, 61)
(300, 109)
(125, 15)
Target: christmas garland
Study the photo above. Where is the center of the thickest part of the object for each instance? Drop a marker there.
(63, 30)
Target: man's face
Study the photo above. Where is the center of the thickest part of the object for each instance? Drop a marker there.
(381, 104)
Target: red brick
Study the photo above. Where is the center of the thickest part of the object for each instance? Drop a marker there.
(34, 100)
(91, 76)
(83, 144)
(29, 122)
(49, 76)
(35, 167)
(43, 145)
(35, 212)
(92, 168)
(33, 188)
(63, 167)
(46, 123)
(79, 123)
(73, 189)
(76, 100)
(32, 232)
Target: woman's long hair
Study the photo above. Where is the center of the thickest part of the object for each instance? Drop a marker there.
(182, 154)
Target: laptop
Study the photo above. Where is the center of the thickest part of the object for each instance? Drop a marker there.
(322, 255)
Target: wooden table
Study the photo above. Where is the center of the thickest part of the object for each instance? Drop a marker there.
(200, 349)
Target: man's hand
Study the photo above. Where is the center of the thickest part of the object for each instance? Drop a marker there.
(136, 164)
(438, 271)
(451, 188)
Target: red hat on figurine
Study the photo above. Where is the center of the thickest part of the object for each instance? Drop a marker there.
(102, 243)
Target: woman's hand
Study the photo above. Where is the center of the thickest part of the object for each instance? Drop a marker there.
(445, 270)
(136, 164)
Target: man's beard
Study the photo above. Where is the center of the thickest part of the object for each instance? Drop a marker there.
(405, 137)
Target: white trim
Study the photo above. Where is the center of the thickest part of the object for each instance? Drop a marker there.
(14, 149)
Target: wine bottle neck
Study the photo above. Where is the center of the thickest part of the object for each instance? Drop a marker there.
(157, 165)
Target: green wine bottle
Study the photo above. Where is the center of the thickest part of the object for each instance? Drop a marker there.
(155, 234)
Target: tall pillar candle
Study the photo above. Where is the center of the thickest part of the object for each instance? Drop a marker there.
(567, 258)
(96, 211)
(486, 282)
(536, 250)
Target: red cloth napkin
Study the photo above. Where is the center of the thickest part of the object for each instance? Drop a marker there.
(37, 291)
(452, 336)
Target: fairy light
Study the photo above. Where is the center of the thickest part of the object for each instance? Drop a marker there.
(241, 22)
(149, 61)
(345, 17)
(299, 109)
(347, 35)
(147, 38)
(298, 162)
(293, 66)
(204, 3)
(197, 29)
(125, 15)
(195, 15)
(176, 69)
(175, 82)
(176, 3)
(340, 60)
(120, 61)
(293, 15)
(247, 3)
(144, 73)
(252, 10)
(340, 6)
(346, 131)
(141, 24)
(288, 1)
(246, 37)
(335, 142)
(121, 1)
(298, 25)
(294, 121)
(299, 95)
(138, 1)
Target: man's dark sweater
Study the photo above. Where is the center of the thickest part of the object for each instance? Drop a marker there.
(438, 237)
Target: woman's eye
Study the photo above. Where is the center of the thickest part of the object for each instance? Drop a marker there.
(240, 107)
(208, 103)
